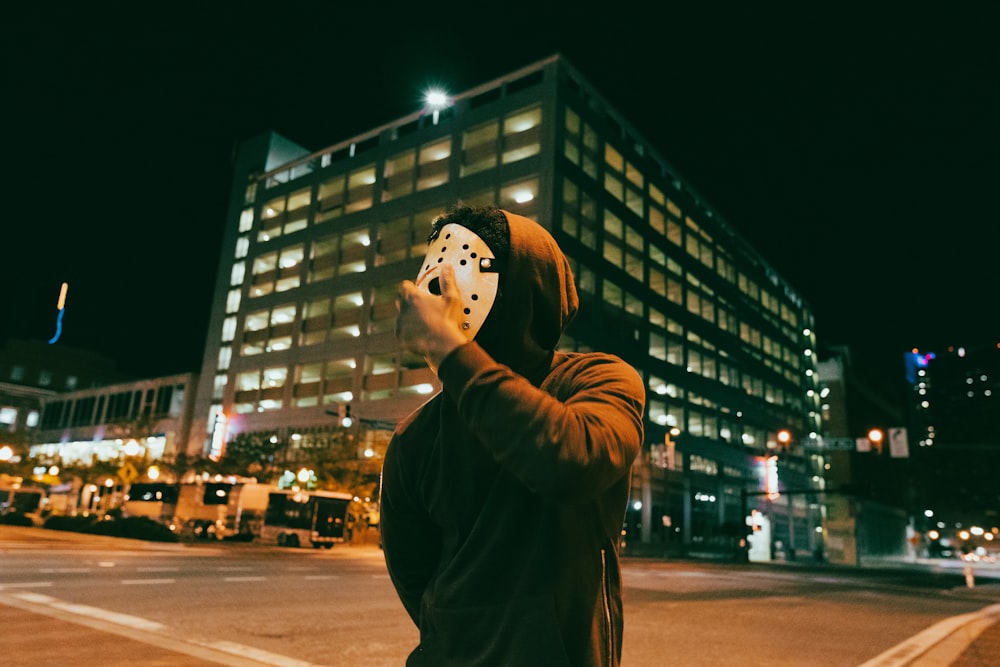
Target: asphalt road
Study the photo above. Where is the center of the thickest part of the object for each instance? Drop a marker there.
(76, 599)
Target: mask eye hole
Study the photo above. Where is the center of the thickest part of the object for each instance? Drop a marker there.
(434, 286)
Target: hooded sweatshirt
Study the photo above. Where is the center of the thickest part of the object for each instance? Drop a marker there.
(503, 497)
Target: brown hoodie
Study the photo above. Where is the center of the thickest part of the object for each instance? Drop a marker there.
(503, 496)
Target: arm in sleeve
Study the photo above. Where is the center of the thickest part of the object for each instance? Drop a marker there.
(410, 541)
(571, 439)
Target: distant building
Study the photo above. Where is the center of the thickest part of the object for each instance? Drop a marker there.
(316, 241)
(89, 425)
(954, 430)
(867, 499)
(31, 371)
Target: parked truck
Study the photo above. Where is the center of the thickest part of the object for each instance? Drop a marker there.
(222, 509)
(298, 518)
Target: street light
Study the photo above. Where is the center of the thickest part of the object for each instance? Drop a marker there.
(875, 436)
(784, 438)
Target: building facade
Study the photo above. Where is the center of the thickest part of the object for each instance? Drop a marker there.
(954, 435)
(32, 372)
(97, 441)
(316, 242)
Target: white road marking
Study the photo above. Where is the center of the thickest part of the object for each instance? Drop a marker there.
(91, 612)
(63, 570)
(158, 569)
(140, 582)
(150, 632)
(26, 584)
(244, 578)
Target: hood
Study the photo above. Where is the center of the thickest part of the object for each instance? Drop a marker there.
(538, 299)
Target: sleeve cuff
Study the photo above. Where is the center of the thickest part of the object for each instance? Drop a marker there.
(460, 366)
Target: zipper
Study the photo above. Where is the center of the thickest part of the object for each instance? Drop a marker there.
(609, 644)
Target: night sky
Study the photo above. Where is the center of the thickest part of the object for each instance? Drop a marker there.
(859, 152)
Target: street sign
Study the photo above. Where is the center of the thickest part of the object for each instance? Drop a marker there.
(833, 444)
(127, 473)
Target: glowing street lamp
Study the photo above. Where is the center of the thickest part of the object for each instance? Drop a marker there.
(784, 438)
(436, 99)
(875, 436)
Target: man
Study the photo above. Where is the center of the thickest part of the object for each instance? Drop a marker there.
(503, 497)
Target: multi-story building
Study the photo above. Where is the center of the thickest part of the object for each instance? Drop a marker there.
(112, 434)
(316, 242)
(954, 434)
(33, 371)
(865, 502)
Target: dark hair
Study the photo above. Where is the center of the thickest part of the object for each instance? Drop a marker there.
(487, 221)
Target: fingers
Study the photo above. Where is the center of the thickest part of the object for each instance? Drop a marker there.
(405, 287)
(447, 279)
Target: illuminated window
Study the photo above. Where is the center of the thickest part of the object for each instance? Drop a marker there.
(277, 271)
(339, 254)
(521, 198)
(635, 200)
(307, 384)
(389, 374)
(348, 316)
(268, 330)
(657, 280)
(633, 304)
(228, 329)
(613, 225)
(613, 159)
(522, 133)
(315, 321)
(329, 319)
(360, 189)
(323, 381)
(657, 220)
(383, 309)
(611, 293)
(398, 174)
(225, 357)
(613, 184)
(674, 234)
(246, 220)
(480, 146)
(580, 215)
(233, 301)
(237, 273)
(404, 238)
(582, 144)
(586, 280)
(330, 198)
(338, 380)
(284, 215)
(219, 386)
(433, 164)
(260, 390)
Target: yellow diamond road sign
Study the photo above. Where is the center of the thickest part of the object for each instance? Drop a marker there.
(127, 473)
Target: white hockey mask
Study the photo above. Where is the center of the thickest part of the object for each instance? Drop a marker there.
(476, 273)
